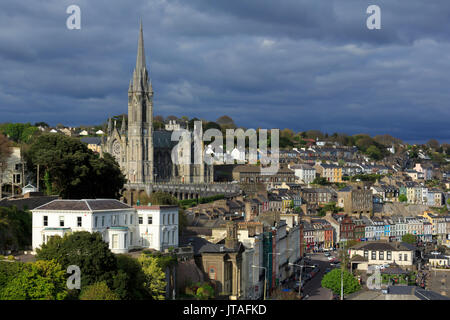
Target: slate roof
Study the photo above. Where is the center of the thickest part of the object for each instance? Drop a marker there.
(423, 294)
(420, 293)
(201, 245)
(162, 139)
(27, 203)
(378, 246)
(257, 169)
(84, 205)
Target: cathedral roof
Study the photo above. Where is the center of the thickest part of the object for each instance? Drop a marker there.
(162, 139)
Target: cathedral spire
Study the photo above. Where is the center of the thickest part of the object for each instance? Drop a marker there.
(140, 74)
(123, 125)
(140, 59)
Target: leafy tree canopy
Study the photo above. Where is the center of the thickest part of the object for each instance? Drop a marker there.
(42, 280)
(98, 291)
(84, 249)
(409, 238)
(73, 170)
(332, 281)
(15, 228)
(154, 276)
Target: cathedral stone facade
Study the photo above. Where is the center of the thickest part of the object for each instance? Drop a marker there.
(144, 154)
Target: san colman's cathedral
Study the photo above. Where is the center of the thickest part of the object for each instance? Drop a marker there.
(144, 155)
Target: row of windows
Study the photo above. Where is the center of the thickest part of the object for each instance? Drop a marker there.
(61, 221)
(115, 220)
(167, 219)
(381, 255)
(168, 237)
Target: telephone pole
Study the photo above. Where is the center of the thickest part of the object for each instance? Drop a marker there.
(1, 180)
(37, 178)
(342, 270)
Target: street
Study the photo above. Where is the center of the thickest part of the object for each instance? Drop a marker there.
(312, 289)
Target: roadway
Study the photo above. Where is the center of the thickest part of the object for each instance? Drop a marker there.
(312, 289)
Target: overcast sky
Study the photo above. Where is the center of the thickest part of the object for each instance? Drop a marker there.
(300, 64)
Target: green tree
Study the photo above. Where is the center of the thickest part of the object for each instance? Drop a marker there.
(15, 228)
(320, 181)
(182, 221)
(28, 133)
(42, 280)
(98, 291)
(409, 238)
(402, 198)
(130, 284)
(73, 170)
(162, 198)
(84, 249)
(5, 149)
(19, 132)
(212, 125)
(154, 276)
(332, 281)
(374, 153)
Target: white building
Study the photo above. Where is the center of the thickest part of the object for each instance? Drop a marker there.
(380, 253)
(29, 188)
(118, 223)
(304, 173)
(157, 227)
(173, 125)
(252, 259)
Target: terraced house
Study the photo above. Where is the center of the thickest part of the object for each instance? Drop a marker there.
(331, 172)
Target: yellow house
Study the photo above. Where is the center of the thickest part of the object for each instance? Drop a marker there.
(331, 172)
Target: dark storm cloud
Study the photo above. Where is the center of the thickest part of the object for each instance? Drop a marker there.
(292, 63)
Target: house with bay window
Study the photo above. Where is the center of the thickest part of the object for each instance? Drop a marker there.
(121, 226)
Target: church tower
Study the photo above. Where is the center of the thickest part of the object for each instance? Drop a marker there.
(140, 121)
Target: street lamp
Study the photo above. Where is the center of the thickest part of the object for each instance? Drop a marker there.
(301, 272)
(265, 278)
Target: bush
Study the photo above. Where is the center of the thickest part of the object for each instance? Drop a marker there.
(11, 258)
(98, 291)
(2, 257)
(200, 291)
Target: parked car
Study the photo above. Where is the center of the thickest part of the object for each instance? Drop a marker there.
(327, 270)
(327, 254)
(330, 258)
